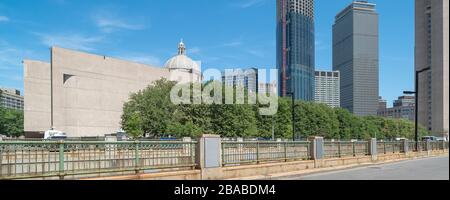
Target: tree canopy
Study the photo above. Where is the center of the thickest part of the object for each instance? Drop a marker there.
(152, 113)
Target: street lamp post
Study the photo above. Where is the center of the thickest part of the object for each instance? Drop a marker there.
(293, 114)
(416, 94)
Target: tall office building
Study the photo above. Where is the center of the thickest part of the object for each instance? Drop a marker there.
(431, 50)
(295, 48)
(11, 99)
(327, 88)
(355, 55)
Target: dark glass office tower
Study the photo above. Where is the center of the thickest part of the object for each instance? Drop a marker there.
(295, 48)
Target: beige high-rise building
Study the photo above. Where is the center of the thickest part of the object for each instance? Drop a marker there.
(83, 94)
(431, 50)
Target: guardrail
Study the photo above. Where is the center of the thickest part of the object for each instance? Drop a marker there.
(241, 153)
(20, 160)
(341, 149)
(388, 147)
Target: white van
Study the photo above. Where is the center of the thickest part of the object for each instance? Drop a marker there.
(54, 134)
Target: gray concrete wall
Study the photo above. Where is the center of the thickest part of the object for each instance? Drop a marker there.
(88, 91)
(36, 96)
(90, 102)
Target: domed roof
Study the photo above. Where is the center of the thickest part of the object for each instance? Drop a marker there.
(181, 61)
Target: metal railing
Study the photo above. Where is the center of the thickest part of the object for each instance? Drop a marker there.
(21, 160)
(341, 149)
(239, 153)
(389, 147)
(433, 146)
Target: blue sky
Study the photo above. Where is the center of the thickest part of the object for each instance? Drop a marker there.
(220, 33)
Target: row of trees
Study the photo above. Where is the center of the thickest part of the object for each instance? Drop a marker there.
(150, 112)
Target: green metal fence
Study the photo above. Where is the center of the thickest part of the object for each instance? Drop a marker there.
(20, 160)
(240, 153)
(433, 145)
(390, 147)
(345, 149)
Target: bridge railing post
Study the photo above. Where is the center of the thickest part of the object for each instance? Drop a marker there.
(137, 165)
(428, 147)
(317, 150)
(405, 143)
(61, 160)
(209, 157)
(373, 150)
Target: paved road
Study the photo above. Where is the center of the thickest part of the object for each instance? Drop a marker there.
(424, 169)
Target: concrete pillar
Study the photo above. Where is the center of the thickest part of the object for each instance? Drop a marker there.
(317, 152)
(209, 157)
(428, 147)
(405, 143)
(373, 151)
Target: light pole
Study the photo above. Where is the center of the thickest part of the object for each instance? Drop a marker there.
(416, 94)
(293, 114)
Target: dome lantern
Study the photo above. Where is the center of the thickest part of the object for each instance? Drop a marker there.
(181, 48)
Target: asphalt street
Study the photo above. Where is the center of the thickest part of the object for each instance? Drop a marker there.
(423, 169)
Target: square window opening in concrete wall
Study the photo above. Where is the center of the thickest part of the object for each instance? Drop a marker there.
(66, 77)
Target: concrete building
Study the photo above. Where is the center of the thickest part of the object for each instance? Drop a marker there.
(11, 99)
(404, 108)
(295, 48)
(328, 88)
(355, 55)
(83, 94)
(431, 50)
(247, 79)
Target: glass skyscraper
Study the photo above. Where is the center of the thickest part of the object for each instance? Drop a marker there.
(295, 48)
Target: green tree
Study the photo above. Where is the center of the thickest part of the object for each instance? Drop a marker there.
(11, 122)
(154, 107)
(345, 122)
(133, 125)
(234, 120)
